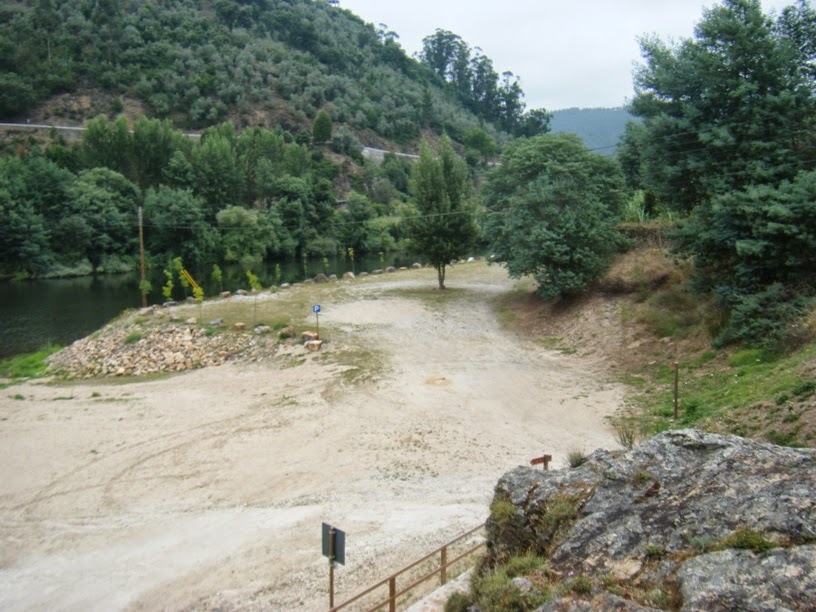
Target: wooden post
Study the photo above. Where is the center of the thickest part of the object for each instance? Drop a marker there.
(331, 567)
(392, 594)
(141, 258)
(443, 572)
(543, 460)
(676, 389)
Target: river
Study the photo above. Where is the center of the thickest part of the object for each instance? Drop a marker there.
(36, 313)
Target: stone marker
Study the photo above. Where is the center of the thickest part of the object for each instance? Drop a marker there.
(314, 345)
(239, 326)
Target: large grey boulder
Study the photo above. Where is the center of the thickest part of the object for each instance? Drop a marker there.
(675, 515)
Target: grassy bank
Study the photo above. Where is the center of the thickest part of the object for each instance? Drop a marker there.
(28, 365)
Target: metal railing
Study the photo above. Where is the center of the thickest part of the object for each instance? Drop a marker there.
(441, 571)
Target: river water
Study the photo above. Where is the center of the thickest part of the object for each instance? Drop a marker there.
(39, 312)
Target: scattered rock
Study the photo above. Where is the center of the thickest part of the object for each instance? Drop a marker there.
(216, 323)
(262, 329)
(239, 326)
(363, 274)
(308, 336)
(285, 285)
(376, 272)
(146, 312)
(242, 292)
(471, 259)
(321, 278)
(332, 277)
(170, 304)
(655, 514)
(308, 281)
(224, 294)
(390, 269)
(286, 332)
(348, 276)
(416, 266)
(191, 321)
(174, 317)
(313, 345)
(402, 269)
(190, 299)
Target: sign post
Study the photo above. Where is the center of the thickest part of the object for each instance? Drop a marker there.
(543, 460)
(334, 547)
(316, 310)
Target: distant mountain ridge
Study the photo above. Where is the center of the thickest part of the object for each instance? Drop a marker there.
(599, 128)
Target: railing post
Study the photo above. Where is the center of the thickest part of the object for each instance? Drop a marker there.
(392, 592)
(443, 570)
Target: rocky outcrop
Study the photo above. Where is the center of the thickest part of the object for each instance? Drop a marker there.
(134, 351)
(687, 519)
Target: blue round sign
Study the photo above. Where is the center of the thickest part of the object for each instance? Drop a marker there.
(316, 308)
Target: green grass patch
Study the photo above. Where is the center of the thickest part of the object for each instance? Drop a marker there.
(502, 511)
(133, 337)
(726, 392)
(30, 365)
(745, 539)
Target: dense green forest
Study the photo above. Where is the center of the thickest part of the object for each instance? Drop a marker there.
(724, 146)
(264, 62)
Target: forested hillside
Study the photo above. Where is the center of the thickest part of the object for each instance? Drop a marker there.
(599, 128)
(256, 62)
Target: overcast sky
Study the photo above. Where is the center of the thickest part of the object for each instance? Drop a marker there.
(567, 53)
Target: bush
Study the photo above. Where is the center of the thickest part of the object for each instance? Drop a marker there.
(496, 591)
(458, 602)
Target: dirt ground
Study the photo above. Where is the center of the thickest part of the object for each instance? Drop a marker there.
(207, 490)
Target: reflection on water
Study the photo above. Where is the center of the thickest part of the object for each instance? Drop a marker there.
(34, 313)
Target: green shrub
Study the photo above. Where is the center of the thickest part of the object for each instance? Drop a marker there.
(746, 539)
(581, 585)
(496, 591)
(502, 511)
(458, 602)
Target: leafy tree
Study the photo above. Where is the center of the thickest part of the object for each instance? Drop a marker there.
(322, 128)
(245, 235)
(175, 223)
(104, 202)
(441, 227)
(725, 110)
(757, 250)
(23, 236)
(551, 212)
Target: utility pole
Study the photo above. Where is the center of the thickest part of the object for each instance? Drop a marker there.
(141, 260)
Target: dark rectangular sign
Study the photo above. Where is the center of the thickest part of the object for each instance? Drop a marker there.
(339, 543)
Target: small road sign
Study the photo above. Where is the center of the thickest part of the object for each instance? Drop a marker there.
(545, 460)
(316, 308)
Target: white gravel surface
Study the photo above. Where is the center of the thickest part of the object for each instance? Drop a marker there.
(207, 490)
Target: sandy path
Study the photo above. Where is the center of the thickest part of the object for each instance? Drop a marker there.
(207, 490)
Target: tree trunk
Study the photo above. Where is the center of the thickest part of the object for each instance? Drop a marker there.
(440, 273)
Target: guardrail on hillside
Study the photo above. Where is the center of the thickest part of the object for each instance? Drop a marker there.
(441, 571)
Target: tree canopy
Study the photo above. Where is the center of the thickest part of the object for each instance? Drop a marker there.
(441, 225)
(727, 138)
(550, 212)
